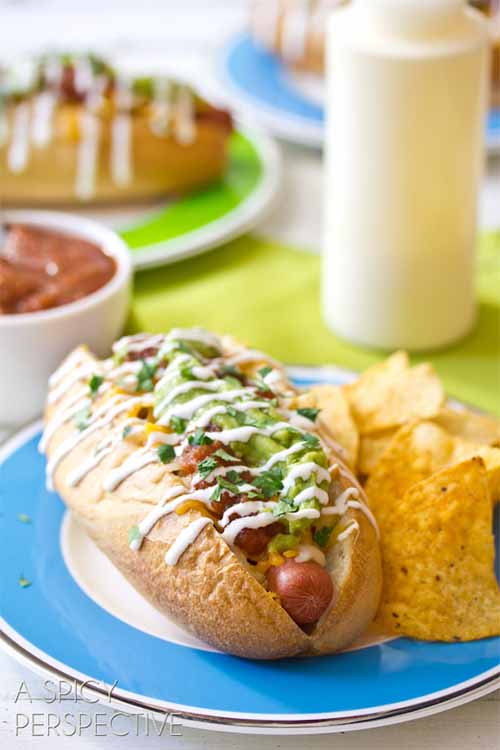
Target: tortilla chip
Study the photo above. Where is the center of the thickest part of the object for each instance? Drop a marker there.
(334, 417)
(415, 452)
(476, 428)
(371, 450)
(462, 449)
(438, 556)
(390, 393)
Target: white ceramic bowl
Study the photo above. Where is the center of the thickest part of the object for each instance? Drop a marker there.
(32, 345)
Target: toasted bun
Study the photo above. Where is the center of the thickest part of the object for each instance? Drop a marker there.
(211, 590)
(160, 165)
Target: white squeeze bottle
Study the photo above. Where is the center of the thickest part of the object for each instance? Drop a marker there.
(406, 96)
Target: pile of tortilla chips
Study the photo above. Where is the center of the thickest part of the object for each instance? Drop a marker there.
(432, 475)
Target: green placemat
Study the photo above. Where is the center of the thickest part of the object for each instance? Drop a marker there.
(268, 296)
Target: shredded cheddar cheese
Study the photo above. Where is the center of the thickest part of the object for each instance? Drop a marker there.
(192, 505)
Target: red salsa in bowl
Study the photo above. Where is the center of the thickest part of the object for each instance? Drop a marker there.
(41, 268)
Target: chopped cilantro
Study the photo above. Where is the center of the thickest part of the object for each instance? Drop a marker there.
(24, 518)
(234, 477)
(23, 582)
(81, 418)
(224, 455)
(166, 453)
(145, 376)
(199, 438)
(95, 383)
(322, 536)
(312, 441)
(126, 431)
(309, 413)
(269, 482)
(264, 371)
(186, 372)
(225, 484)
(134, 534)
(230, 370)
(206, 466)
(177, 424)
(284, 506)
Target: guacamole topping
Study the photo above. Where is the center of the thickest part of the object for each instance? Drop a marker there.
(220, 422)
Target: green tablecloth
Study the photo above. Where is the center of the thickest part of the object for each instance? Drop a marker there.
(267, 295)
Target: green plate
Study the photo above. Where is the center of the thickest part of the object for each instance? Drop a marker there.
(206, 218)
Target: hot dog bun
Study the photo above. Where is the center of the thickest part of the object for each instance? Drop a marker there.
(212, 589)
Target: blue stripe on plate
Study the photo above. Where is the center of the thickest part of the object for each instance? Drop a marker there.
(263, 78)
(59, 619)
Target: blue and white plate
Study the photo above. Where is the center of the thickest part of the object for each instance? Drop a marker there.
(76, 618)
(289, 104)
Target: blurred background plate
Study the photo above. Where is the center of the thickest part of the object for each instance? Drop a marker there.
(199, 221)
(288, 104)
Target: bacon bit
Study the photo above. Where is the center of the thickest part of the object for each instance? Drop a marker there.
(150, 351)
(254, 541)
(194, 454)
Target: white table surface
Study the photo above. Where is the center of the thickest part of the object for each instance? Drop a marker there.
(188, 34)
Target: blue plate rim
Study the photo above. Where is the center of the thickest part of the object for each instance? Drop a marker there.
(329, 721)
(292, 126)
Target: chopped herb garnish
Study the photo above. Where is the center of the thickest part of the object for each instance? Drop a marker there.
(234, 477)
(166, 453)
(230, 370)
(145, 376)
(95, 383)
(206, 466)
(24, 518)
(284, 506)
(322, 536)
(309, 413)
(270, 482)
(82, 418)
(183, 347)
(224, 455)
(178, 425)
(199, 438)
(134, 534)
(186, 372)
(23, 582)
(264, 371)
(126, 431)
(312, 441)
(225, 484)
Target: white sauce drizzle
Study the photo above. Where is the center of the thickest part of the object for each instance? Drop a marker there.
(81, 372)
(185, 130)
(305, 471)
(121, 128)
(17, 156)
(348, 531)
(188, 408)
(134, 463)
(185, 539)
(61, 418)
(253, 522)
(161, 106)
(74, 359)
(306, 552)
(88, 148)
(41, 123)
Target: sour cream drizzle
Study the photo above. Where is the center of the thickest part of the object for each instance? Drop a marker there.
(220, 392)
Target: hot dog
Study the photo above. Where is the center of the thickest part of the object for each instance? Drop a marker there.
(77, 129)
(229, 509)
